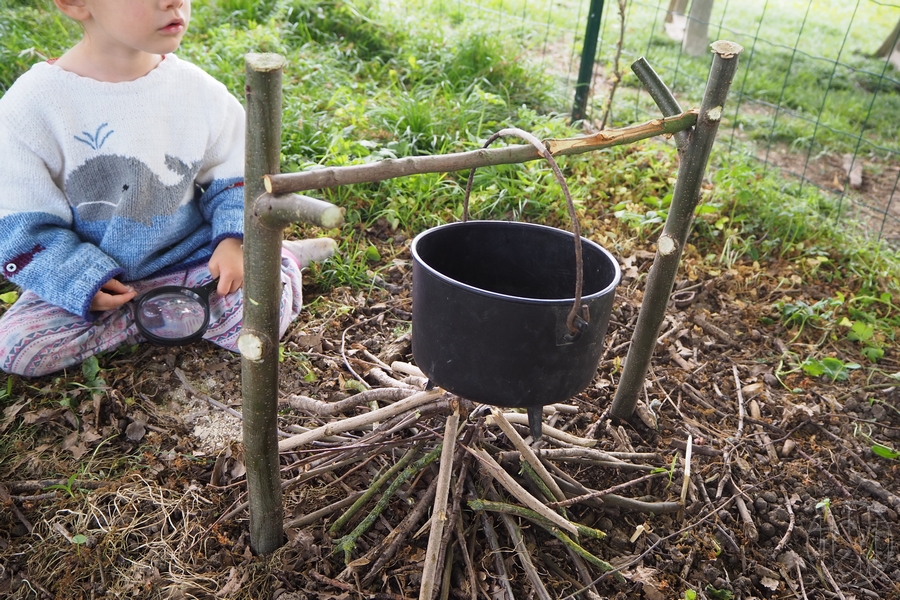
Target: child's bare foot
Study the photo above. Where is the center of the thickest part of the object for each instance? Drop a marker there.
(311, 250)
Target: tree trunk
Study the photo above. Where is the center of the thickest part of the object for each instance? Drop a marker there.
(696, 33)
(674, 236)
(890, 43)
(675, 20)
(258, 341)
(676, 7)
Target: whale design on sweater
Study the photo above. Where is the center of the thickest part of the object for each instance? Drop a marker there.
(110, 185)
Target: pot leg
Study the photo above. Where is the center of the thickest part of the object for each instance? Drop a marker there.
(535, 421)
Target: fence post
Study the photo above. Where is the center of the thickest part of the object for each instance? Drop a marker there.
(674, 236)
(262, 296)
(586, 70)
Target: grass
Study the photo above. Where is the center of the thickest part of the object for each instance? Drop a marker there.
(364, 84)
(814, 65)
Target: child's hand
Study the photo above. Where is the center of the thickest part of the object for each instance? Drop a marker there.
(112, 295)
(227, 263)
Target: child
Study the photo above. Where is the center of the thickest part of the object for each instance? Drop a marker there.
(122, 171)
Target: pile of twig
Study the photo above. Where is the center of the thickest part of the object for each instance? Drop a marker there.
(482, 466)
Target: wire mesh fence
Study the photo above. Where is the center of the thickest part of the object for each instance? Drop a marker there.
(817, 95)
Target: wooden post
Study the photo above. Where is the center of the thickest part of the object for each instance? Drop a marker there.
(696, 32)
(890, 43)
(674, 236)
(258, 342)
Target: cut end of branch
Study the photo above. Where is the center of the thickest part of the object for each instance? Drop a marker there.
(265, 62)
(726, 49)
(332, 217)
(666, 244)
(250, 346)
(267, 182)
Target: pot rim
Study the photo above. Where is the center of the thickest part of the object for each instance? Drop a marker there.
(480, 291)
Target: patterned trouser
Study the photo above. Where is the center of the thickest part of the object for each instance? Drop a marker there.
(37, 338)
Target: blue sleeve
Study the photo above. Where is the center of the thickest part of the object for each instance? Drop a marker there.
(222, 204)
(39, 253)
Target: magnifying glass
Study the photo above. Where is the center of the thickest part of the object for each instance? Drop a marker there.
(174, 315)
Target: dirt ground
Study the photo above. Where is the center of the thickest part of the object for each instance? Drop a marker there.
(784, 497)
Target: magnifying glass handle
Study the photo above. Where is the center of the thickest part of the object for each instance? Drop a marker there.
(211, 286)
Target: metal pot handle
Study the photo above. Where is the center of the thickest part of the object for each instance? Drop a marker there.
(578, 318)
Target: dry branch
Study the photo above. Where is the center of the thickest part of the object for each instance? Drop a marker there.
(534, 578)
(281, 211)
(328, 177)
(520, 493)
(348, 542)
(439, 515)
(526, 453)
(591, 456)
(373, 489)
(321, 408)
(670, 245)
(497, 552)
(518, 511)
(388, 547)
(551, 432)
(352, 423)
(601, 493)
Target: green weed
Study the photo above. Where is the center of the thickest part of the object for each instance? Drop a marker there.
(867, 321)
(350, 266)
(830, 367)
(67, 487)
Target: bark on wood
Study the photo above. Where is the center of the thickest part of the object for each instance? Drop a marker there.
(280, 211)
(262, 293)
(279, 184)
(674, 236)
(352, 423)
(439, 516)
(661, 95)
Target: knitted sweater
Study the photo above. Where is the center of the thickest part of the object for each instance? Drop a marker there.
(125, 180)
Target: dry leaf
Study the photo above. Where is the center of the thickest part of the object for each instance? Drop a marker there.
(43, 415)
(753, 390)
(652, 587)
(89, 436)
(238, 469)
(10, 413)
(791, 560)
(215, 479)
(135, 431)
(769, 583)
(233, 585)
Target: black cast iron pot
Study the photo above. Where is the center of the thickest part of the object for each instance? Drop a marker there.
(500, 316)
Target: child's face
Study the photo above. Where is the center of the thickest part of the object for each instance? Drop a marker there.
(128, 26)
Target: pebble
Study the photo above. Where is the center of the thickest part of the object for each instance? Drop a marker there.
(778, 515)
(766, 530)
(761, 504)
(770, 497)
